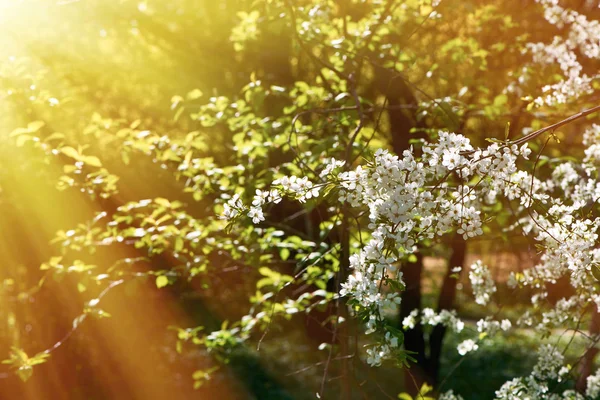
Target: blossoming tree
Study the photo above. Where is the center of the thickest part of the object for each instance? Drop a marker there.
(394, 129)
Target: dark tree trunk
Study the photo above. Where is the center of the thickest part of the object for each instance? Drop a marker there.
(414, 339)
(587, 362)
(402, 122)
(445, 302)
(427, 368)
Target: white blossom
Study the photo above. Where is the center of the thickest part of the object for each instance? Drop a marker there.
(466, 347)
(593, 385)
(482, 283)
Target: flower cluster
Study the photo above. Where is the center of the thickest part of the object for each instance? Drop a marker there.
(467, 346)
(420, 196)
(301, 188)
(549, 364)
(233, 207)
(583, 36)
(491, 327)
(330, 166)
(447, 318)
(593, 386)
(449, 395)
(536, 386)
(481, 282)
(408, 199)
(260, 198)
(429, 317)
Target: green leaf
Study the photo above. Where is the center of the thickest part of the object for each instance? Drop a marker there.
(425, 389)
(21, 140)
(31, 128)
(92, 160)
(162, 202)
(500, 100)
(194, 94)
(264, 282)
(178, 243)
(161, 281)
(55, 136)
(178, 113)
(39, 358)
(18, 131)
(23, 363)
(395, 285)
(70, 152)
(25, 372)
(35, 126)
(284, 254)
(266, 271)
